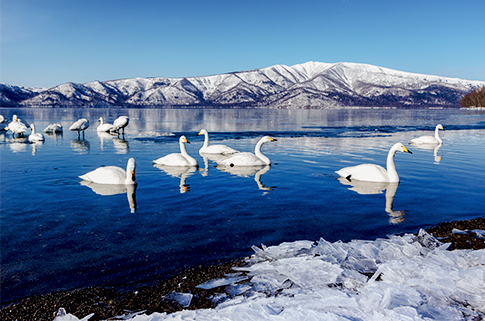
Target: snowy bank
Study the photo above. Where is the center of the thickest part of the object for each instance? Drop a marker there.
(399, 278)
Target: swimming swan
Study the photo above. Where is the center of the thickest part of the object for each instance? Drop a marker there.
(214, 149)
(53, 128)
(429, 139)
(113, 174)
(80, 125)
(104, 127)
(375, 173)
(249, 159)
(178, 159)
(35, 137)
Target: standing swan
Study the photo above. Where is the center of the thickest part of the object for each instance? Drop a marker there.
(35, 137)
(16, 126)
(120, 123)
(214, 149)
(375, 173)
(429, 139)
(80, 125)
(178, 159)
(113, 174)
(249, 159)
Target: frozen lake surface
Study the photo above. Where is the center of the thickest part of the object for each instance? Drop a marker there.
(59, 234)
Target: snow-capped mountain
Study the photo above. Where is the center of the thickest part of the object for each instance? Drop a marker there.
(308, 85)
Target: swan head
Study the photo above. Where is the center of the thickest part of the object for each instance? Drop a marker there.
(401, 147)
(100, 119)
(439, 126)
(267, 139)
(202, 132)
(183, 139)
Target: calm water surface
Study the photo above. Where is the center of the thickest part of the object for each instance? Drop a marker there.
(57, 233)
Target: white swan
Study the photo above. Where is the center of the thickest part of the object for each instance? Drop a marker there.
(35, 137)
(113, 174)
(80, 125)
(429, 139)
(16, 126)
(104, 127)
(375, 173)
(53, 128)
(214, 149)
(178, 159)
(248, 159)
(120, 123)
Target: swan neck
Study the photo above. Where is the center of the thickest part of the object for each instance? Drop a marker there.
(436, 135)
(259, 154)
(206, 140)
(183, 151)
(391, 168)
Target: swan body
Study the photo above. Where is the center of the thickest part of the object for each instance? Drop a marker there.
(16, 126)
(373, 172)
(178, 159)
(120, 123)
(80, 125)
(429, 139)
(104, 127)
(249, 159)
(35, 137)
(214, 149)
(2, 119)
(113, 174)
(53, 128)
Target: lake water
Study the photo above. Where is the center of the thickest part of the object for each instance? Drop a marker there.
(57, 233)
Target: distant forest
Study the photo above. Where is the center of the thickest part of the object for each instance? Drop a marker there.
(474, 99)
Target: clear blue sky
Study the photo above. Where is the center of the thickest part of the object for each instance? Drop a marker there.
(49, 42)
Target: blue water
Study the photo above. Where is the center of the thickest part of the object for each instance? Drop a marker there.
(58, 234)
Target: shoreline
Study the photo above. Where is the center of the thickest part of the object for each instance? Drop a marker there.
(107, 302)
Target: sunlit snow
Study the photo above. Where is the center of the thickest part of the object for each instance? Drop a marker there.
(399, 278)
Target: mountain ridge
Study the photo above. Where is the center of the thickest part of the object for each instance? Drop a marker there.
(308, 85)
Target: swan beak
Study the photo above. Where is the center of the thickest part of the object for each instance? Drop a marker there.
(133, 177)
(404, 149)
(273, 139)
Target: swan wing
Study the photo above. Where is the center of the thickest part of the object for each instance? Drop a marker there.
(106, 175)
(241, 159)
(218, 149)
(174, 159)
(424, 140)
(365, 172)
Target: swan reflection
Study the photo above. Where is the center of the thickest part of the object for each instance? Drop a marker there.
(206, 157)
(121, 145)
(104, 137)
(34, 146)
(108, 189)
(248, 171)
(79, 145)
(434, 147)
(181, 172)
(366, 188)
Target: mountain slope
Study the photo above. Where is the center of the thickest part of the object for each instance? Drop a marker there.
(308, 85)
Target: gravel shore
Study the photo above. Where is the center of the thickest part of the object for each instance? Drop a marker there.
(108, 303)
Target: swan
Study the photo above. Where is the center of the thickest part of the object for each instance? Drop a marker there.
(35, 137)
(53, 128)
(80, 125)
(16, 126)
(214, 149)
(178, 159)
(112, 174)
(248, 159)
(120, 123)
(375, 173)
(104, 127)
(429, 139)
(2, 119)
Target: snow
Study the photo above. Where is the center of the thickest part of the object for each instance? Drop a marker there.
(398, 278)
